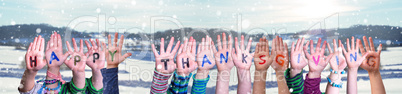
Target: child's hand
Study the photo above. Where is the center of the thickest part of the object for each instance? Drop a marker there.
(316, 61)
(164, 61)
(113, 53)
(34, 57)
(205, 55)
(222, 56)
(186, 58)
(337, 60)
(262, 58)
(280, 51)
(352, 55)
(298, 58)
(77, 58)
(95, 54)
(372, 61)
(54, 52)
(242, 58)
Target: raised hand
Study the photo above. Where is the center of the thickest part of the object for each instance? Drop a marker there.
(77, 58)
(280, 51)
(164, 61)
(186, 57)
(113, 54)
(222, 56)
(262, 58)
(34, 57)
(372, 61)
(372, 65)
(205, 56)
(337, 60)
(96, 61)
(316, 61)
(352, 54)
(54, 52)
(298, 59)
(77, 63)
(95, 54)
(242, 57)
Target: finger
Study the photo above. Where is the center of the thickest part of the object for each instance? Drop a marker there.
(318, 47)
(88, 46)
(169, 48)
(42, 45)
(343, 50)
(55, 39)
(248, 45)
(292, 47)
(285, 45)
(185, 45)
(69, 46)
(361, 47)
(109, 42)
(181, 49)
(125, 56)
(329, 48)
(99, 44)
(116, 35)
(280, 44)
(371, 44)
(366, 43)
(30, 47)
(267, 45)
(154, 50)
(301, 45)
(162, 45)
(203, 46)
(92, 43)
(81, 46)
(47, 45)
(274, 46)
(50, 41)
(379, 49)
(348, 44)
(230, 43)
(353, 43)
(257, 47)
(208, 43)
(323, 47)
(219, 43)
(213, 47)
(357, 44)
(74, 45)
(311, 47)
(335, 46)
(59, 41)
(176, 47)
(199, 48)
(121, 42)
(296, 45)
(237, 45)
(305, 49)
(193, 48)
(241, 42)
(34, 43)
(224, 42)
(104, 46)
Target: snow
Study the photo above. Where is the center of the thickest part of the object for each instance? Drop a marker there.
(135, 75)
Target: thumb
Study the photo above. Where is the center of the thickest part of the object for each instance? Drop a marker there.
(126, 55)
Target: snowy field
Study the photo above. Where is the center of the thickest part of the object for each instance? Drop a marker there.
(135, 76)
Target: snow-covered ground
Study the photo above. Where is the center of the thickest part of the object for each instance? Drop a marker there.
(135, 76)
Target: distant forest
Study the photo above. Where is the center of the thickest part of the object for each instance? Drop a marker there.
(29, 31)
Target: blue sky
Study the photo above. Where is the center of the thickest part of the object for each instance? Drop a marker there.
(268, 15)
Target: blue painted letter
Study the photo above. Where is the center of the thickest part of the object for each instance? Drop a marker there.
(223, 57)
(205, 59)
(53, 57)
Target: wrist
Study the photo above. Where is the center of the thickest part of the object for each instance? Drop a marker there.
(54, 70)
(374, 73)
(314, 74)
(293, 71)
(202, 74)
(353, 69)
(112, 66)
